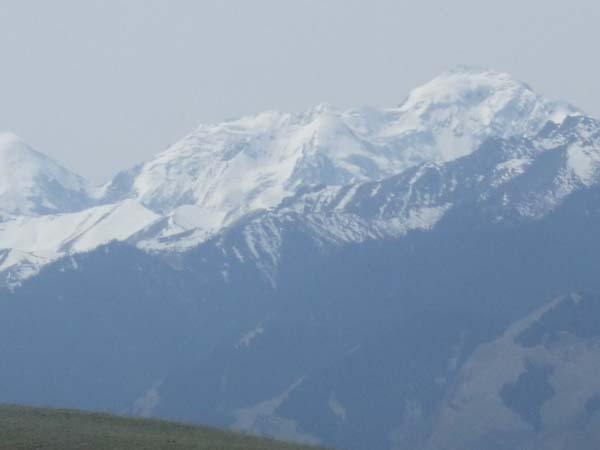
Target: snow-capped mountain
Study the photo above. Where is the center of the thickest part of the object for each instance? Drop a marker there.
(349, 278)
(222, 172)
(32, 184)
(509, 181)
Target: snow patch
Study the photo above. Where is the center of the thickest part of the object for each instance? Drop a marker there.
(336, 407)
(146, 404)
(262, 419)
(246, 339)
(583, 163)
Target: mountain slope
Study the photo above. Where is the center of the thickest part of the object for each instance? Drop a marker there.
(506, 181)
(377, 331)
(356, 346)
(535, 386)
(33, 241)
(329, 277)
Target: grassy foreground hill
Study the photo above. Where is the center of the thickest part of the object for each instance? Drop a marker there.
(25, 428)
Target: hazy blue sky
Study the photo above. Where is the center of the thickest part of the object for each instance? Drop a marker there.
(101, 85)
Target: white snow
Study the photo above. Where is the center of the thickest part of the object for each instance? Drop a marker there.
(508, 170)
(42, 239)
(221, 172)
(337, 408)
(246, 339)
(583, 163)
(262, 419)
(229, 169)
(145, 405)
(31, 182)
(82, 231)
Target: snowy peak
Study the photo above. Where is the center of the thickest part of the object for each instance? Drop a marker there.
(250, 163)
(486, 94)
(33, 184)
(222, 171)
(451, 115)
(366, 172)
(15, 151)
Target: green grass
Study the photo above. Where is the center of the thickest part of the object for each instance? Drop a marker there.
(24, 428)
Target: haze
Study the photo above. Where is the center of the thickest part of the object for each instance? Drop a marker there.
(102, 85)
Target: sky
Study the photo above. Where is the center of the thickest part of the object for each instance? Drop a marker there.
(103, 85)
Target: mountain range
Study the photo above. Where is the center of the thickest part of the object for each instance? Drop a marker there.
(415, 277)
(223, 172)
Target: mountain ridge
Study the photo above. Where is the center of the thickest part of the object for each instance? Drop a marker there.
(222, 172)
(353, 312)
